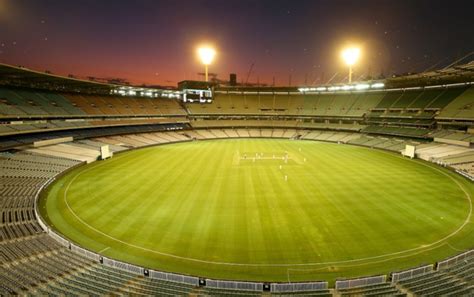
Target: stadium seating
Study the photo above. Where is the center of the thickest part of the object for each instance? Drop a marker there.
(439, 151)
(425, 99)
(408, 113)
(350, 105)
(33, 263)
(462, 107)
(383, 289)
(440, 283)
(396, 131)
(25, 102)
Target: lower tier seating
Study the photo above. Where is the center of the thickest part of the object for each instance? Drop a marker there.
(33, 263)
(383, 289)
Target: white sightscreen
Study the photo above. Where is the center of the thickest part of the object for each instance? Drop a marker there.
(409, 151)
(105, 152)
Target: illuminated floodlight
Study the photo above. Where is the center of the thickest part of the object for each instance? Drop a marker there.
(302, 90)
(319, 89)
(350, 56)
(206, 54)
(347, 87)
(334, 88)
(377, 85)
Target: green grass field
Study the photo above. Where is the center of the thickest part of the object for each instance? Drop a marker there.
(209, 209)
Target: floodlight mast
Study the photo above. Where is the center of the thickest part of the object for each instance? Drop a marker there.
(350, 56)
(350, 74)
(206, 54)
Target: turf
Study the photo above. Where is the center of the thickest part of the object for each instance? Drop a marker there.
(209, 209)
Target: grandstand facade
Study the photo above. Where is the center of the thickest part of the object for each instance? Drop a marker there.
(436, 118)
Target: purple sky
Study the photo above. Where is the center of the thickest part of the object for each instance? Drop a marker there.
(153, 42)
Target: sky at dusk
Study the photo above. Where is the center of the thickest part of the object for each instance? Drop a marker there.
(154, 42)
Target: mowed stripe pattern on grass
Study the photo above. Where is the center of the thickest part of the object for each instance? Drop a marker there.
(194, 201)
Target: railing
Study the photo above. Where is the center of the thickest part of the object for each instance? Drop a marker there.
(299, 287)
(234, 285)
(61, 240)
(86, 253)
(122, 265)
(455, 260)
(398, 276)
(471, 178)
(358, 282)
(172, 277)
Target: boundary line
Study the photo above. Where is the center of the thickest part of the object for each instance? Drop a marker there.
(421, 248)
(103, 250)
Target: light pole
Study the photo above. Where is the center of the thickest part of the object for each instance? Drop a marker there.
(350, 56)
(206, 54)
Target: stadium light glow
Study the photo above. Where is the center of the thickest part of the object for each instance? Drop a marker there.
(206, 54)
(377, 85)
(334, 88)
(350, 57)
(357, 87)
(362, 87)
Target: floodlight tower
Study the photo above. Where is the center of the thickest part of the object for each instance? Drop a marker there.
(206, 54)
(350, 56)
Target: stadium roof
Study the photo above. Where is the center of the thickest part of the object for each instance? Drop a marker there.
(24, 77)
(27, 78)
(454, 74)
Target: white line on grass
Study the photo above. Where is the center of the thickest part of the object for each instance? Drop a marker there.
(103, 250)
(454, 248)
(396, 254)
(288, 270)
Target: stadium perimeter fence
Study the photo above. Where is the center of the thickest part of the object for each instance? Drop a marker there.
(456, 259)
(239, 285)
(359, 282)
(465, 174)
(299, 287)
(234, 285)
(410, 273)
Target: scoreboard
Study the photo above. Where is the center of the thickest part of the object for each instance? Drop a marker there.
(197, 95)
(196, 91)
